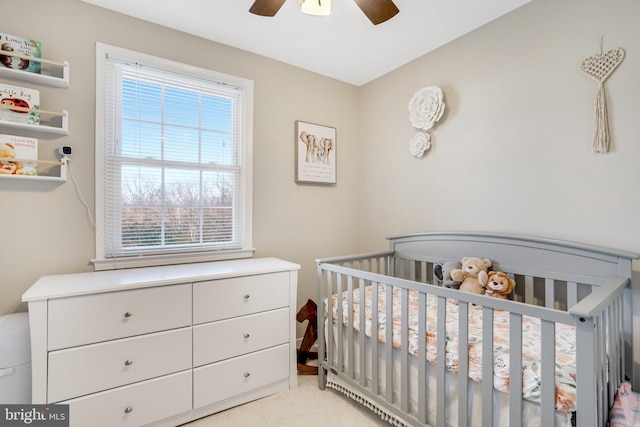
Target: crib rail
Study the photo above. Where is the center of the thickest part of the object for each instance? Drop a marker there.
(596, 313)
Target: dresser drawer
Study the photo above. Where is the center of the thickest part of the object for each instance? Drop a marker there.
(225, 298)
(224, 339)
(90, 319)
(84, 370)
(222, 380)
(135, 405)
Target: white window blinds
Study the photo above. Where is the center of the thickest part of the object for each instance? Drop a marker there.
(174, 176)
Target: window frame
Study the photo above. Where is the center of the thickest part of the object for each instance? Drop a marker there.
(173, 255)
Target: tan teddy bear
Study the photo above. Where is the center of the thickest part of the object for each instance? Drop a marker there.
(473, 275)
(499, 285)
(7, 151)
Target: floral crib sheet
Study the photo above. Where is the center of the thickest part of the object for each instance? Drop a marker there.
(531, 334)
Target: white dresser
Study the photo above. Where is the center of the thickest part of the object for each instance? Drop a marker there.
(161, 346)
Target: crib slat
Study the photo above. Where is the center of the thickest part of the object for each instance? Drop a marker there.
(572, 294)
(515, 370)
(616, 329)
(422, 357)
(362, 337)
(528, 290)
(410, 270)
(441, 362)
(612, 344)
(350, 326)
(388, 345)
(375, 382)
(322, 376)
(463, 363)
(487, 366)
(617, 348)
(330, 339)
(600, 371)
(404, 358)
(340, 332)
(549, 291)
(548, 366)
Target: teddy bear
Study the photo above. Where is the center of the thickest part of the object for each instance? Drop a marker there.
(443, 273)
(472, 275)
(7, 151)
(499, 285)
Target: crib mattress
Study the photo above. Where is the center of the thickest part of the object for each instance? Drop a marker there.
(565, 355)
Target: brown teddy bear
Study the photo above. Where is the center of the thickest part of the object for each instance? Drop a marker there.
(499, 285)
(473, 275)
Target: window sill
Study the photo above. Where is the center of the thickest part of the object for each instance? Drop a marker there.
(167, 259)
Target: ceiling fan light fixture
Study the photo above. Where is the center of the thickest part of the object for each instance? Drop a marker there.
(316, 7)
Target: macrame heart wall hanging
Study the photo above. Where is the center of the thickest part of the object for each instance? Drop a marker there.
(599, 67)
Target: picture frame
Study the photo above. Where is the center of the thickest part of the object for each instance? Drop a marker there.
(315, 154)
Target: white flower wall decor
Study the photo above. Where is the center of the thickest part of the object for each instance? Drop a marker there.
(420, 143)
(425, 109)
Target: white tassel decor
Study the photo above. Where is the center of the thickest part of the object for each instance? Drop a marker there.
(599, 68)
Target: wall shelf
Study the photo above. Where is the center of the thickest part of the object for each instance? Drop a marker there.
(41, 130)
(58, 77)
(64, 164)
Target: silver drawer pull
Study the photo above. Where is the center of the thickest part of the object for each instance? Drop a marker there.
(128, 362)
(247, 374)
(246, 336)
(246, 296)
(128, 314)
(128, 410)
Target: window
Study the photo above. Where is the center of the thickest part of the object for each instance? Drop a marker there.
(173, 162)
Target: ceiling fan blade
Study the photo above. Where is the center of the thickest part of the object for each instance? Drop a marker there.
(266, 7)
(378, 11)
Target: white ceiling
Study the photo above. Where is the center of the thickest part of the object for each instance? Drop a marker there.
(344, 45)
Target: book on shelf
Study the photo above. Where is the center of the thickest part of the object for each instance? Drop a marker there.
(13, 102)
(15, 151)
(10, 43)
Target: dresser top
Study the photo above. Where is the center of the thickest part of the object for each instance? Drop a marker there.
(65, 285)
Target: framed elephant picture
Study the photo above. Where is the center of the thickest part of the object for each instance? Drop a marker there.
(315, 154)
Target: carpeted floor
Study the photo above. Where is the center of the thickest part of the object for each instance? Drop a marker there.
(307, 406)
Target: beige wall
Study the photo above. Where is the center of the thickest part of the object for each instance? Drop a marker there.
(512, 153)
(513, 150)
(45, 228)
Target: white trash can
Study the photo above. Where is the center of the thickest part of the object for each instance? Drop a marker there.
(15, 359)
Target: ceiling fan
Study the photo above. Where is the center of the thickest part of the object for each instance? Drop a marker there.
(377, 11)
